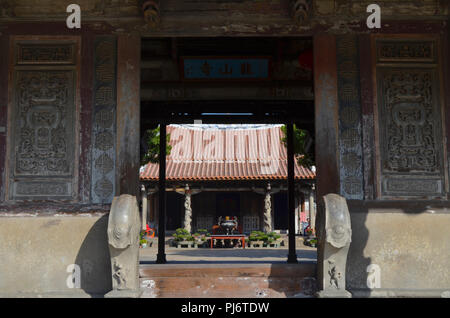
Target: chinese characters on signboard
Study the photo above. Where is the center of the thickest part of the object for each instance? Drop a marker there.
(226, 68)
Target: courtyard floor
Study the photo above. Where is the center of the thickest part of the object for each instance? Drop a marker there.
(229, 255)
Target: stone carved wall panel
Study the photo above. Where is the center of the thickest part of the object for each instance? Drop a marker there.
(350, 136)
(406, 51)
(39, 53)
(410, 128)
(104, 118)
(43, 127)
(44, 123)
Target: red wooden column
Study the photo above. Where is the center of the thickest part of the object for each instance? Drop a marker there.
(128, 114)
(326, 114)
(326, 126)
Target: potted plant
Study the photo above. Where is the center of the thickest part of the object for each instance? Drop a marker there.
(257, 238)
(309, 231)
(143, 243)
(273, 239)
(311, 242)
(183, 237)
(200, 237)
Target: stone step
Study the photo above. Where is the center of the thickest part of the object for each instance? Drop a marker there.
(228, 280)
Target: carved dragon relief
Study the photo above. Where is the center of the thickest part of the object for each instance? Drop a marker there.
(335, 235)
(123, 238)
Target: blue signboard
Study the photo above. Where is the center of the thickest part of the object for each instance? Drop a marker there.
(210, 68)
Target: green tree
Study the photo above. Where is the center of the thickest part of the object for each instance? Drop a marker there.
(302, 146)
(151, 153)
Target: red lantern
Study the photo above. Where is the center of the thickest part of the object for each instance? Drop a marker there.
(306, 60)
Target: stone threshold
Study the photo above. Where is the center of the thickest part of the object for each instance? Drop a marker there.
(400, 293)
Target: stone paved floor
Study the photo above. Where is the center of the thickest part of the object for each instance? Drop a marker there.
(229, 255)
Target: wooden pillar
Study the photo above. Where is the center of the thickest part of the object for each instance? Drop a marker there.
(187, 209)
(128, 114)
(161, 257)
(326, 128)
(326, 114)
(292, 257)
(312, 210)
(268, 210)
(144, 207)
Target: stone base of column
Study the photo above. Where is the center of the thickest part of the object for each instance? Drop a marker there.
(333, 294)
(126, 293)
(292, 259)
(161, 259)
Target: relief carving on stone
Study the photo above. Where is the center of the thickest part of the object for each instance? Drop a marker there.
(43, 115)
(104, 115)
(45, 123)
(335, 236)
(411, 146)
(409, 115)
(350, 135)
(124, 226)
(45, 54)
(404, 51)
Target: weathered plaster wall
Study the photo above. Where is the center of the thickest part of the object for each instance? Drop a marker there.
(30, 268)
(409, 242)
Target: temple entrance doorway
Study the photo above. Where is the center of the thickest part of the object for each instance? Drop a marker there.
(216, 88)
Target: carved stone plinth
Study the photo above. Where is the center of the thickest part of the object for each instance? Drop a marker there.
(335, 235)
(123, 240)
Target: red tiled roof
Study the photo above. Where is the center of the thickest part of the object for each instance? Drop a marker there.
(225, 154)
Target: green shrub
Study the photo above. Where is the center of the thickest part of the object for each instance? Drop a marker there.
(183, 235)
(203, 232)
(273, 236)
(143, 241)
(258, 236)
(266, 237)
